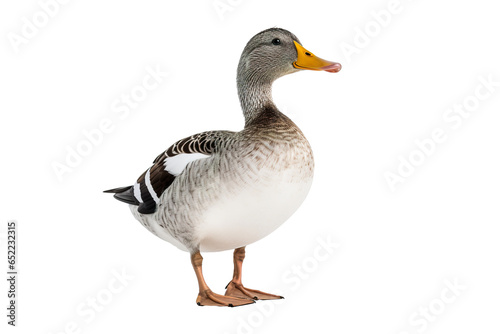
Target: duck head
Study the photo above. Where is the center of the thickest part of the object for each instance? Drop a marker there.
(275, 52)
(269, 55)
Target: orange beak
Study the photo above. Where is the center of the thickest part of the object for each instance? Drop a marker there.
(308, 61)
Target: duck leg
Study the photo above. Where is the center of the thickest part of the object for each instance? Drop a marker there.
(236, 289)
(205, 295)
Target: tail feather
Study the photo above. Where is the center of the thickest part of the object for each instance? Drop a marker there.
(124, 194)
(117, 190)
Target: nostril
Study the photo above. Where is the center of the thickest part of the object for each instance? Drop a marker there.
(308, 54)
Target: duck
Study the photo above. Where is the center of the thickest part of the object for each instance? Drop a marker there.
(223, 190)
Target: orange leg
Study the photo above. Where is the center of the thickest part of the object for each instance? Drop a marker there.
(205, 295)
(236, 289)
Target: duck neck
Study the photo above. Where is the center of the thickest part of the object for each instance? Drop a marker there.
(255, 93)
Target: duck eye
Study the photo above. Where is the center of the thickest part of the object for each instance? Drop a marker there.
(276, 41)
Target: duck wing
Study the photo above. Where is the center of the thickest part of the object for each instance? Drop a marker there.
(145, 193)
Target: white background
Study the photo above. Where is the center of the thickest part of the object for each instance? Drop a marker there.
(397, 248)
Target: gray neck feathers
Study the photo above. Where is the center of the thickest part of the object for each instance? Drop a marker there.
(254, 90)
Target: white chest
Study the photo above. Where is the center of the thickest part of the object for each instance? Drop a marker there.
(243, 218)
